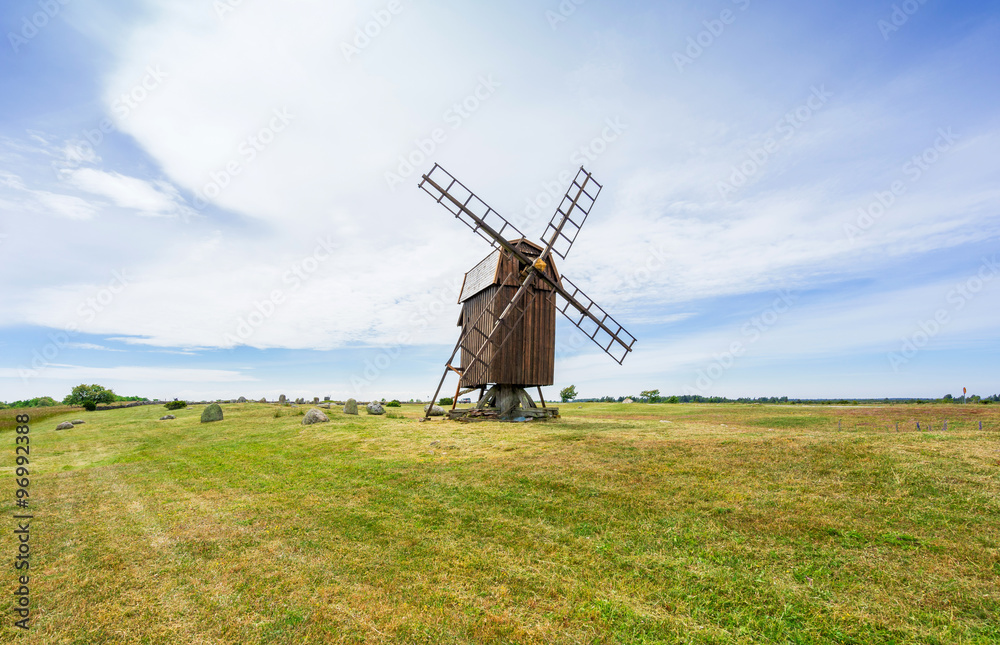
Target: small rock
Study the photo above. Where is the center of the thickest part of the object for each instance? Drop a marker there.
(351, 407)
(628, 401)
(212, 413)
(435, 443)
(436, 410)
(77, 422)
(167, 417)
(65, 425)
(374, 408)
(314, 416)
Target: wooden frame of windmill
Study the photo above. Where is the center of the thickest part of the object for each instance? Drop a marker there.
(509, 300)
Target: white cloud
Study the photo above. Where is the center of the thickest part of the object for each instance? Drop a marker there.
(660, 241)
(68, 206)
(130, 374)
(92, 346)
(151, 199)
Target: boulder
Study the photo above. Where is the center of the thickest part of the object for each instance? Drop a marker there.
(77, 422)
(65, 425)
(351, 407)
(167, 417)
(212, 413)
(326, 398)
(263, 399)
(300, 400)
(314, 416)
(282, 399)
(628, 401)
(315, 400)
(242, 399)
(436, 410)
(375, 408)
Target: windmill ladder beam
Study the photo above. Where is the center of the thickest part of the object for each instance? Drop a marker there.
(524, 260)
(459, 345)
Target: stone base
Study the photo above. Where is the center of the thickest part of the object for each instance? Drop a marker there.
(492, 414)
(504, 403)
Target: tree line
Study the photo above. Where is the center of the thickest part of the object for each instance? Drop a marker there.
(653, 396)
(85, 395)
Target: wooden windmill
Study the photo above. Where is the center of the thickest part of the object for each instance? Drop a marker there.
(509, 302)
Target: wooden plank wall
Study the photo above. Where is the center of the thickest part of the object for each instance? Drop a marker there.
(528, 358)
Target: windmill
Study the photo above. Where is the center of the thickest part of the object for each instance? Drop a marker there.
(509, 300)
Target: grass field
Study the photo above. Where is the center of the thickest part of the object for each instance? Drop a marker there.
(616, 524)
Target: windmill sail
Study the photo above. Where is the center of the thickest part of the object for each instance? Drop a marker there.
(573, 210)
(593, 321)
(472, 211)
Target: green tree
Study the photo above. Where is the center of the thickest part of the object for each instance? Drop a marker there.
(672, 399)
(567, 394)
(95, 394)
(948, 397)
(651, 396)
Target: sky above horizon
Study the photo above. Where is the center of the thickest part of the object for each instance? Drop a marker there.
(219, 199)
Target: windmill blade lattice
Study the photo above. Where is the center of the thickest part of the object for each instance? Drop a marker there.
(593, 321)
(573, 210)
(464, 205)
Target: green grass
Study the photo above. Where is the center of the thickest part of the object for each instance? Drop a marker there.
(615, 524)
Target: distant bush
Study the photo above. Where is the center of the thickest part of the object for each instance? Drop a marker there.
(446, 401)
(176, 405)
(394, 404)
(93, 393)
(89, 406)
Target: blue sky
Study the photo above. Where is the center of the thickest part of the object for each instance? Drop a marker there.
(212, 200)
